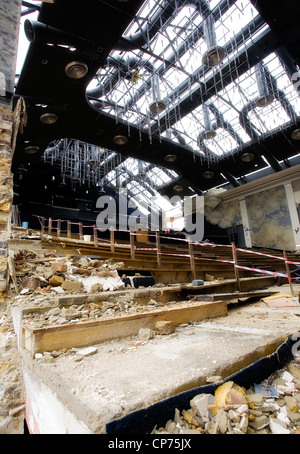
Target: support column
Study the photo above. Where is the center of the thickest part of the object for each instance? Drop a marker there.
(293, 214)
(245, 221)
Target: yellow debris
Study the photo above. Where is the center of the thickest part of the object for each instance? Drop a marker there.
(190, 418)
(229, 394)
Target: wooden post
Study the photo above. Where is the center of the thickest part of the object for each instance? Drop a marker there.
(236, 271)
(192, 259)
(58, 227)
(50, 225)
(80, 231)
(69, 229)
(112, 240)
(43, 225)
(95, 236)
(158, 250)
(132, 245)
(288, 273)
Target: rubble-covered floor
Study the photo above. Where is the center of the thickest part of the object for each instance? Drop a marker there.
(114, 378)
(80, 390)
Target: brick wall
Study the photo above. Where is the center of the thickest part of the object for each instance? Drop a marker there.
(12, 394)
(9, 31)
(6, 191)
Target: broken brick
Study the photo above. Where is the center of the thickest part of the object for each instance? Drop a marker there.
(164, 327)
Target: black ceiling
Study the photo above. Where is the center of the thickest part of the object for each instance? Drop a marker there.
(94, 28)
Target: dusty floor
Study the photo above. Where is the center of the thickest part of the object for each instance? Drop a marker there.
(125, 375)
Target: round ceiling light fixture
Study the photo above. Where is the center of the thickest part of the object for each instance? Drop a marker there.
(208, 174)
(157, 107)
(296, 134)
(209, 135)
(177, 188)
(31, 149)
(213, 56)
(170, 157)
(48, 118)
(247, 157)
(120, 140)
(76, 70)
(264, 100)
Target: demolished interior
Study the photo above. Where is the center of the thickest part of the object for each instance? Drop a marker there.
(150, 217)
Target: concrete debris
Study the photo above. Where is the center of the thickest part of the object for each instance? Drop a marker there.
(234, 410)
(74, 313)
(164, 327)
(44, 273)
(146, 334)
(88, 351)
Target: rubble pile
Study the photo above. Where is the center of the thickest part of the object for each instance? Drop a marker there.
(43, 273)
(272, 407)
(83, 312)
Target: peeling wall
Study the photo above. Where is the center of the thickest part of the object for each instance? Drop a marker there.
(268, 214)
(222, 214)
(269, 219)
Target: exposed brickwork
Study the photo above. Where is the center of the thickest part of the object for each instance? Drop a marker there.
(12, 395)
(6, 191)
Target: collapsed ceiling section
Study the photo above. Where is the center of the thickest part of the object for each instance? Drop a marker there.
(161, 97)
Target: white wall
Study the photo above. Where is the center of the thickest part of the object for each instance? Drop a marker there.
(45, 414)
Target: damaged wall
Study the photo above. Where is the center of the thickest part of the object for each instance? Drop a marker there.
(12, 398)
(268, 213)
(219, 213)
(10, 11)
(269, 219)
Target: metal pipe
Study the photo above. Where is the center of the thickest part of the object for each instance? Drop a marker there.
(266, 96)
(214, 54)
(209, 132)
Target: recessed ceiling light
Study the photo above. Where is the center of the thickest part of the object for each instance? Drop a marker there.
(170, 157)
(76, 70)
(120, 140)
(31, 149)
(247, 157)
(208, 174)
(296, 134)
(178, 188)
(49, 118)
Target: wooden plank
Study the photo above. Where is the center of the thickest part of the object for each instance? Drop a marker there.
(232, 296)
(132, 247)
(236, 271)
(95, 232)
(112, 240)
(158, 249)
(288, 273)
(93, 332)
(192, 260)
